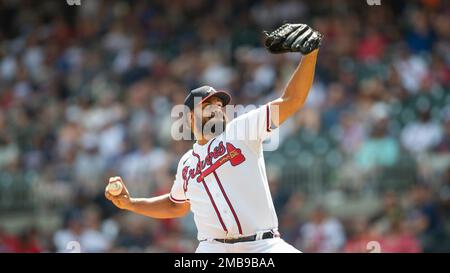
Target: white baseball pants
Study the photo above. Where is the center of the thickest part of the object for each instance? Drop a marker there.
(273, 245)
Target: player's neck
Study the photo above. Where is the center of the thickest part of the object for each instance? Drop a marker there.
(203, 141)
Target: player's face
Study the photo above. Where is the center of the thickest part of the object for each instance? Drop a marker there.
(212, 116)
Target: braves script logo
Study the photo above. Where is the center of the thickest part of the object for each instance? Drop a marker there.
(206, 167)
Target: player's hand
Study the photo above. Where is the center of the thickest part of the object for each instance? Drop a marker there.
(292, 38)
(123, 200)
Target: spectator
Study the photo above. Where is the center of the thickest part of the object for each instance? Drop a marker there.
(420, 37)
(9, 152)
(413, 70)
(398, 240)
(290, 221)
(322, 233)
(3, 241)
(93, 240)
(422, 135)
(379, 150)
(351, 133)
(26, 242)
(134, 236)
(142, 164)
(424, 218)
(444, 194)
(88, 165)
(389, 213)
(71, 233)
(334, 106)
(444, 145)
(360, 234)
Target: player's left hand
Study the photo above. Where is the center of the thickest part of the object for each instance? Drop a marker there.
(292, 38)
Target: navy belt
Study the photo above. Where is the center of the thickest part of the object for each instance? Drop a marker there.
(265, 235)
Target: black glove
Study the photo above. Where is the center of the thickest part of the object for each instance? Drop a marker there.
(292, 38)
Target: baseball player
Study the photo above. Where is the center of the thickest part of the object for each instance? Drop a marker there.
(222, 179)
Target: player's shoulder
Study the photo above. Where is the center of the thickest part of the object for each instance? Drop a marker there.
(247, 117)
(249, 111)
(185, 158)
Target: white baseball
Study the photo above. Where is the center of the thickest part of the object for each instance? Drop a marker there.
(115, 188)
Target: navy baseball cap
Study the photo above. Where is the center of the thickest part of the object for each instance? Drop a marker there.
(203, 93)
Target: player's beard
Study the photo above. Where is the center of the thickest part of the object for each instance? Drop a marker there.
(214, 126)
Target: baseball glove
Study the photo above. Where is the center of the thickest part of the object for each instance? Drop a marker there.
(292, 38)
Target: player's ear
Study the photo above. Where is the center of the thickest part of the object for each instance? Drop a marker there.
(190, 119)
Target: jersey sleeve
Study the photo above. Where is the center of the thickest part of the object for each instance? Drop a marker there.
(177, 193)
(252, 127)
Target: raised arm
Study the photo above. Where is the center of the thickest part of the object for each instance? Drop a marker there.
(294, 38)
(296, 91)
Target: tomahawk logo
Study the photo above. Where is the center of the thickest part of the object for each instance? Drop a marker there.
(73, 2)
(373, 2)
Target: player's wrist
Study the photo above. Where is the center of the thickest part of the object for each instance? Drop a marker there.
(312, 54)
(131, 204)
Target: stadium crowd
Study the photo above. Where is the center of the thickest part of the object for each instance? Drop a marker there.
(86, 92)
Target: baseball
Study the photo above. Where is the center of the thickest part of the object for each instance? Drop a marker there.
(115, 188)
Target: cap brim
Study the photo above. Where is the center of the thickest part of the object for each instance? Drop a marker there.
(222, 95)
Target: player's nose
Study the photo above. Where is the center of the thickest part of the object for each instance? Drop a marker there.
(218, 112)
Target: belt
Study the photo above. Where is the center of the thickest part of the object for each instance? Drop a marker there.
(266, 235)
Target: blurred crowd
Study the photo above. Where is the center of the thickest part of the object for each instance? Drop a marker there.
(86, 92)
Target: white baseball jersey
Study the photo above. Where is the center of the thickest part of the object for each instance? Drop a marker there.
(225, 180)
